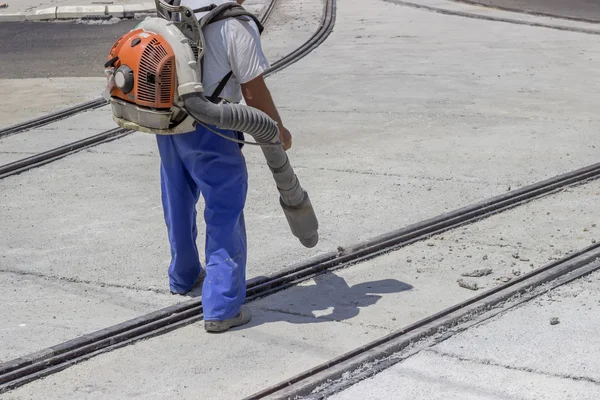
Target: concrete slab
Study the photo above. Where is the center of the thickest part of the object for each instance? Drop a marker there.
(38, 94)
(34, 313)
(516, 354)
(114, 215)
(48, 137)
(70, 12)
(295, 329)
(292, 23)
(429, 376)
(24, 99)
(113, 229)
(464, 9)
(204, 361)
(42, 14)
(566, 350)
(583, 9)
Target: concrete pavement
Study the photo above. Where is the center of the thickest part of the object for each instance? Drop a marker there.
(580, 9)
(48, 137)
(27, 332)
(24, 99)
(320, 319)
(515, 355)
(426, 117)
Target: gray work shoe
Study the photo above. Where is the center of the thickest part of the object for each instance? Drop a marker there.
(221, 326)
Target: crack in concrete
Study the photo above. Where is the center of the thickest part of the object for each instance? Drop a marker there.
(421, 113)
(81, 281)
(512, 368)
(395, 175)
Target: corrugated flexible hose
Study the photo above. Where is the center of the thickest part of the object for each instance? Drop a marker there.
(294, 200)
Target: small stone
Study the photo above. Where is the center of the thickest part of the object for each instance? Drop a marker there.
(586, 230)
(408, 260)
(554, 321)
(593, 240)
(593, 225)
(393, 318)
(516, 255)
(485, 257)
(419, 270)
(467, 285)
(516, 272)
(504, 279)
(477, 273)
(524, 259)
(430, 244)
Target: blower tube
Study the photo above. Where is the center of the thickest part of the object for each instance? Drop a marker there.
(293, 199)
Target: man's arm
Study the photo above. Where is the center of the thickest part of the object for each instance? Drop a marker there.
(257, 95)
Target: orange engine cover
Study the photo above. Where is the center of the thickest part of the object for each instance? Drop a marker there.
(152, 61)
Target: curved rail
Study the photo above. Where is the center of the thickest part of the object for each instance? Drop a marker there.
(34, 366)
(87, 106)
(44, 158)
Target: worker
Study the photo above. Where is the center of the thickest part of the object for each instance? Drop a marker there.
(202, 162)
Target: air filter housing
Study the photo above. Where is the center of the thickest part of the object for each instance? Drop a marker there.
(144, 75)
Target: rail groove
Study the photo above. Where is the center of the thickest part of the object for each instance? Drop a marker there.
(44, 158)
(326, 379)
(50, 118)
(51, 360)
(22, 370)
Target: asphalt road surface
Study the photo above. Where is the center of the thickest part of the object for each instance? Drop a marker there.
(588, 10)
(68, 49)
(46, 49)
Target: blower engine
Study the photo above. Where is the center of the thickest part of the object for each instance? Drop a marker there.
(154, 86)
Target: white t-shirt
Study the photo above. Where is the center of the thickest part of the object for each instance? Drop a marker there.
(231, 45)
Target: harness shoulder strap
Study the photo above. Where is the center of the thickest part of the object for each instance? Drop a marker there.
(219, 13)
(224, 11)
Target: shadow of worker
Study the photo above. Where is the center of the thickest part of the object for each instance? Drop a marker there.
(330, 298)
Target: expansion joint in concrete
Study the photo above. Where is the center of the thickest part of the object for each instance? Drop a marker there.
(511, 367)
(79, 281)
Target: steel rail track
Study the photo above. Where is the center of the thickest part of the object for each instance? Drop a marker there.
(37, 365)
(41, 159)
(324, 380)
(82, 107)
(53, 359)
(46, 157)
(48, 119)
(34, 366)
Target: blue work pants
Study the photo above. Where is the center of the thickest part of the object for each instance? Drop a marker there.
(197, 163)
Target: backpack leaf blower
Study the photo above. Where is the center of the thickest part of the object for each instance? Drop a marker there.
(154, 86)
